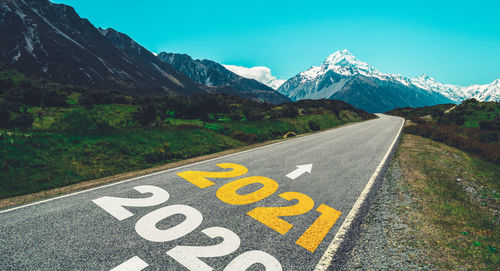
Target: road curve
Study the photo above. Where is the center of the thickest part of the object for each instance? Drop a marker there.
(212, 215)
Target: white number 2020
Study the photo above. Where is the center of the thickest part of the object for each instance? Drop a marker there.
(188, 256)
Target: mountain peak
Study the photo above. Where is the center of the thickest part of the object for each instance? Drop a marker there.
(339, 57)
(425, 77)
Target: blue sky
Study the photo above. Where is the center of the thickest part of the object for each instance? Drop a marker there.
(456, 42)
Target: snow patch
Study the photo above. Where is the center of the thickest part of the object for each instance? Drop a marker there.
(102, 31)
(5, 7)
(57, 29)
(170, 77)
(17, 56)
(106, 65)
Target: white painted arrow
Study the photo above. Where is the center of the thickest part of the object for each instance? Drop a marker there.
(299, 171)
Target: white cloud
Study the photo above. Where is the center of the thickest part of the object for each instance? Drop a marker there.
(259, 73)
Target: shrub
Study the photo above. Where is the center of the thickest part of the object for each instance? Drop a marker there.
(145, 115)
(234, 116)
(289, 111)
(80, 120)
(24, 119)
(488, 137)
(489, 125)
(417, 119)
(255, 115)
(54, 98)
(314, 125)
(446, 135)
(161, 154)
(241, 136)
(214, 127)
(13, 116)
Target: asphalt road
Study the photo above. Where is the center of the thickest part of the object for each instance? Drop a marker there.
(201, 223)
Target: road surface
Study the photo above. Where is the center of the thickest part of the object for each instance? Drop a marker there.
(245, 211)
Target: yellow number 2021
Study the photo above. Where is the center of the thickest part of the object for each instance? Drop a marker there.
(199, 178)
(313, 236)
(228, 192)
(269, 216)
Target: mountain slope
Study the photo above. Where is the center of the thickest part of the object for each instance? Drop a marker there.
(51, 41)
(211, 73)
(342, 76)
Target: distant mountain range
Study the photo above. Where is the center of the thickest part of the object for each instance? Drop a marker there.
(342, 76)
(51, 41)
(211, 73)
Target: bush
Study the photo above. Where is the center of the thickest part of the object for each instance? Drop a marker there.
(488, 137)
(80, 120)
(161, 154)
(214, 127)
(241, 136)
(255, 115)
(13, 116)
(234, 116)
(289, 111)
(145, 114)
(489, 125)
(24, 119)
(314, 125)
(54, 99)
(446, 135)
(417, 119)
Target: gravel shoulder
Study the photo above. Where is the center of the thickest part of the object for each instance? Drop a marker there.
(386, 240)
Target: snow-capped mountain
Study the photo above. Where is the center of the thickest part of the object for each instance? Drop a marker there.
(488, 92)
(343, 76)
(211, 73)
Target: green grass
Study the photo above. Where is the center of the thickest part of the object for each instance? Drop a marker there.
(459, 230)
(270, 129)
(471, 123)
(34, 160)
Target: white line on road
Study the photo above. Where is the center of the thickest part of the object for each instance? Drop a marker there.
(327, 257)
(168, 170)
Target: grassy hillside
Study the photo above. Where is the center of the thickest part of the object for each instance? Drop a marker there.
(471, 126)
(53, 135)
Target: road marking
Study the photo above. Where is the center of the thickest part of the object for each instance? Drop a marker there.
(299, 171)
(173, 169)
(228, 192)
(199, 178)
(270, 216)
(189, 256)
(156, 173)
(327, 257)
(133, 264)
